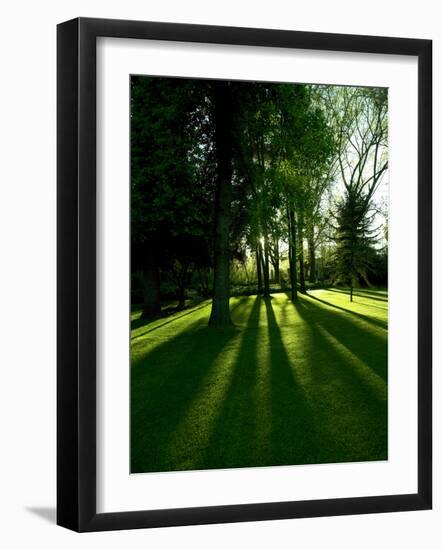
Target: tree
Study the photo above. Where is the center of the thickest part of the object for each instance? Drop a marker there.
(320, 177)
(283, 131)
(258, 153)
(361, 128)
(170, 197)
(225, 172)
(223, 109)
(292, 242)
(355, 237)
(304, 173)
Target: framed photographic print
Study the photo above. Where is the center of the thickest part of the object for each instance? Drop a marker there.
(244, 274)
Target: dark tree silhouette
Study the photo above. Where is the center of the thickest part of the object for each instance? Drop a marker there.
(223, 108)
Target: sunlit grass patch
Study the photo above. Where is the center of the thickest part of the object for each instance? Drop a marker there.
(286, 384)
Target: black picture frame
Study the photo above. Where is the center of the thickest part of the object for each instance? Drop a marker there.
(76, 265)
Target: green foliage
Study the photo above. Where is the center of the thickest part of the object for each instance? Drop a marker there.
(171, 183)
(355, 238)
(298, 150)
(284, 145)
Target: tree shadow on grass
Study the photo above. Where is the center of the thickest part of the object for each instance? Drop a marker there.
(366, 318)
(350, 411)
(139, 323)
(232, 443)
(264, 413)
(164, 383)
(367, 343)
(294, 436)
(266, 418)
(170, 317)
(149, 338)
(369, 294)
(337, 419)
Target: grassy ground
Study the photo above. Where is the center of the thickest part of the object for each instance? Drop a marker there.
(287, 384)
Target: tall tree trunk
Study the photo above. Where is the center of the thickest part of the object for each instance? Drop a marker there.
(151, 284)
(245, 267)
(292, 253)
(220, 314)
(301, 256)
(266, 291)
(311, 252)
(321, 268)
(258, 261)
(276, 263)
(182, 287)
(203, 280)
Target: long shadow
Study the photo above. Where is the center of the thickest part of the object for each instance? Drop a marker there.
(351, 419)
(232, 443)
(294, 437)
(142, 349)
(163, 384)
(370, 295)
(370, 347)
(175, 318)
(180, 340)
(365, 318)
(381, 308)
(339, 421)
(140, 322)
(381, 293)
(347, 423)
(240, 316)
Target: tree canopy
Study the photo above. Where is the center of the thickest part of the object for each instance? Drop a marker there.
(256, 183)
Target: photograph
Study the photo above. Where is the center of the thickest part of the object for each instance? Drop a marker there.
(259, 274)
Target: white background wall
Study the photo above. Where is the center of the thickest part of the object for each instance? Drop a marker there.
(27, 271)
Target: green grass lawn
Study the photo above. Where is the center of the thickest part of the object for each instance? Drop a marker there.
(287, 384)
